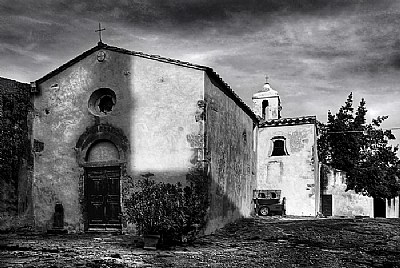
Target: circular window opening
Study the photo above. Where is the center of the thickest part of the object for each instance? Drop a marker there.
(102, 102)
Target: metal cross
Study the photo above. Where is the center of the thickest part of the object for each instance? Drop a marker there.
(100, 30)
(266, 79)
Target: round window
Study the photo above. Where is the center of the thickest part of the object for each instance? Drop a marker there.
(102, 102)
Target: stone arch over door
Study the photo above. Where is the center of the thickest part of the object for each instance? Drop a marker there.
(98, 133)
(101, 154)
(102, 151)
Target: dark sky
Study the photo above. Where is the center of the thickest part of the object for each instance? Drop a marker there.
(315, 51)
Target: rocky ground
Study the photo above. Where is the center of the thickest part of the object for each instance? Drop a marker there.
(257, 242)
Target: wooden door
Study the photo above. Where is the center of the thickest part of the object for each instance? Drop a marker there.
(103, 197)
(327, 204)
(379, 208)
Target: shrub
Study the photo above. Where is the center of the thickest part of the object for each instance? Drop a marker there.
(175, 212)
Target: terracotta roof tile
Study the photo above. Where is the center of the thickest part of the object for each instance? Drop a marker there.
(289, 121)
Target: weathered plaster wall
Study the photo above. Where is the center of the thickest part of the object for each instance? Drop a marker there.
(295, 174)
(232, 160)
(392, 208)
(344, 203)
(61, 116)
(163, 117)
(155, 109)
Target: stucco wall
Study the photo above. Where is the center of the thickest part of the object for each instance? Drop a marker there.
(295, 173)
(163, 116)
(344, 203)
(232, 160)
(392, 208)
(155, 109)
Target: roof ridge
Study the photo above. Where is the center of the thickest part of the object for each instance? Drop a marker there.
(153, 56)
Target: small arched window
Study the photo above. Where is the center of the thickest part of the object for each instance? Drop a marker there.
(279, 146)
(264, 108)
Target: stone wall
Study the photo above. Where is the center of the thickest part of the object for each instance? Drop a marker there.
(231, 154)
(294, 174)
(15, 153)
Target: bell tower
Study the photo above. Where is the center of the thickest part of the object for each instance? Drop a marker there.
(266, 102)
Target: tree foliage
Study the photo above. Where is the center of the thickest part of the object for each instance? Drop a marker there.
(348, 143)
(14, 143)
(13, 130)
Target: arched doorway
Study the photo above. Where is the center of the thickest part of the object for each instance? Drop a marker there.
(101, 152)
(102, 185)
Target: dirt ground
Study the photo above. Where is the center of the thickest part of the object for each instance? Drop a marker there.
(256, 242)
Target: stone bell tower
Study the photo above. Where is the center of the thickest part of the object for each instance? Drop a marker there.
(266, 102)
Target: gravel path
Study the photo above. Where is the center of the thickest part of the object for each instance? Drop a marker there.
(256, 242)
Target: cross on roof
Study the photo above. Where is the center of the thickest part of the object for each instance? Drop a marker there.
(100, 30)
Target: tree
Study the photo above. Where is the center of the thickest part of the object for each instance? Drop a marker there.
(15, 105)
(346, 142)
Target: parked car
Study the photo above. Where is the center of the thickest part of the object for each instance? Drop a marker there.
(267, 202)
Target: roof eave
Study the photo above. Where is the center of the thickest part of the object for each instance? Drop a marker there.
(229, 91)
(292, 121)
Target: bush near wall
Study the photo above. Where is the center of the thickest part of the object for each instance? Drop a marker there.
(175, 212)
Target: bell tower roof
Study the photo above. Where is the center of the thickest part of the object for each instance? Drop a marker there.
(266, 102)
(266, 91)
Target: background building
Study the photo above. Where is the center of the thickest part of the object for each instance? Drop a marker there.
(287, 162)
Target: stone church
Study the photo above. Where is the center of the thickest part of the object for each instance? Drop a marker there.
(109, 116)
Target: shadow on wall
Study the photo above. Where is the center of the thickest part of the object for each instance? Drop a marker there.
(104, 150)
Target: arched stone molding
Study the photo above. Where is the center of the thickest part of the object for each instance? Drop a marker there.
(101, 132)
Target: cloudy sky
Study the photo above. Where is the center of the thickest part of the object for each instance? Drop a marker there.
(314, 51)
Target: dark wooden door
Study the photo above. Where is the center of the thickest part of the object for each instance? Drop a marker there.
(327, 204)
(103, 196)
(379, 208)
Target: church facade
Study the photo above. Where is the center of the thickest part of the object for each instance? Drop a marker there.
(110, 116)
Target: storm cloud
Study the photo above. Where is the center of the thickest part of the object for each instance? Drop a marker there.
(315, 51)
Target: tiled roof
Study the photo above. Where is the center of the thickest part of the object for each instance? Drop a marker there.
(225, 87)
(289, 121)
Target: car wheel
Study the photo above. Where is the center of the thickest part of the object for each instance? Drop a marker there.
(263, 211)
